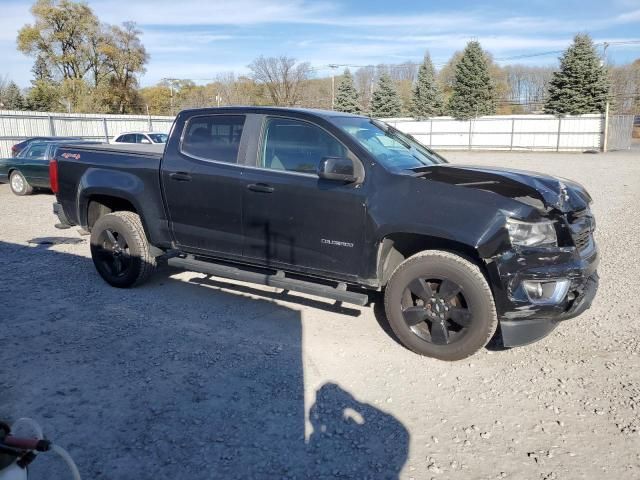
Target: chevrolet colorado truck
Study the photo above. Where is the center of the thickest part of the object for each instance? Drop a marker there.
(340, 206)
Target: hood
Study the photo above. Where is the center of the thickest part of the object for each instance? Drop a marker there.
(541, 191)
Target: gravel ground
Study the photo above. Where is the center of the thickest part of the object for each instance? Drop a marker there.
(193, 377)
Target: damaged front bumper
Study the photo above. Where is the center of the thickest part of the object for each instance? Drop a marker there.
(524, 320)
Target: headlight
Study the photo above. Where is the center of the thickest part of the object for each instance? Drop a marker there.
(526, 234)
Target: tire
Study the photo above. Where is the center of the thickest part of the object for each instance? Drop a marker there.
(19, 184)
(120, 250)
(453, 314)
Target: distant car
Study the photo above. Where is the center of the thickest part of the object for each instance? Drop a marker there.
(142, 137)
(29, 169)
(18, 147)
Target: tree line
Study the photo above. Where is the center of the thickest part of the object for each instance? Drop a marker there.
(80, 63)
(83, 65)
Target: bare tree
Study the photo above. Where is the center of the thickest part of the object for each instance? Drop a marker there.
(365, 79)
(404, 72)
(527, 85)
(236, 90)
(625, 88)
(4, 81)
(282, 77)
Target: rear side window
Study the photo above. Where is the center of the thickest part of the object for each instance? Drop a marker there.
(213, 137)
(126, 139)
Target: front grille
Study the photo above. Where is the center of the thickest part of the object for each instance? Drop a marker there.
(582, 225)
(582, 239)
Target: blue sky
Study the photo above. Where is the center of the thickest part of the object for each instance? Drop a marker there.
(198, 39)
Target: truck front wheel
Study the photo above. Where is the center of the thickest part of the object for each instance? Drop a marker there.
(440, 305)
(120, 250)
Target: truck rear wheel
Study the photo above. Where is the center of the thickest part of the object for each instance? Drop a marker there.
(120, 250)
(439, 305)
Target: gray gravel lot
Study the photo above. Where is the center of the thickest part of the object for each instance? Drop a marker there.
(193, 377)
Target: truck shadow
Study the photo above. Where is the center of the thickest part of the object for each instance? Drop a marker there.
(170, 381)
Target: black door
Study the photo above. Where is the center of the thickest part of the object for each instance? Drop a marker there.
(290, 216)
(203, 185)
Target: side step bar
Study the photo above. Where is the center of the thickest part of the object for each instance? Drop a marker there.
(278, 280)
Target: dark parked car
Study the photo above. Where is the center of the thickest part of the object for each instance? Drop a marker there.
(340, 206)
(18, 147)
(30, 168)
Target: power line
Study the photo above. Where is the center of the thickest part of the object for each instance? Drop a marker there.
(499, 59)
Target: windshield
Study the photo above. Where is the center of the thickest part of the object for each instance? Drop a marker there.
(394, 149)
(158, 137)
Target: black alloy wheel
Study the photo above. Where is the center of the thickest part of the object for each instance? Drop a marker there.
(113, 252)
(120, 250)
(435, 310)
(439, 304)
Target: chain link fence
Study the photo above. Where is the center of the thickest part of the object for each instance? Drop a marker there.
(619, 132)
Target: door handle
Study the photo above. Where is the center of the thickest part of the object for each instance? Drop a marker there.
(260, 187)
(180, 176)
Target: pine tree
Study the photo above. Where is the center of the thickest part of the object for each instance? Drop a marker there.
(427, 98)
(347, 98)
(12, 97)
(385, 101)
(473, 92)
(42, 97)
(581, 85)
(43, 94)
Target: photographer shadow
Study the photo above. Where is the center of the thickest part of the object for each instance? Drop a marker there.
(175, 380)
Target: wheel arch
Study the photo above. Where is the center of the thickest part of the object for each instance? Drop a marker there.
(97, 205)
(14, 169)
(394, 248)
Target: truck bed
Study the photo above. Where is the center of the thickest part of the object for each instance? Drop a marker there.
(90, 172)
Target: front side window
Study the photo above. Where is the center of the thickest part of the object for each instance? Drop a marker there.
(215, 137)
(297, 146)
(389, 146)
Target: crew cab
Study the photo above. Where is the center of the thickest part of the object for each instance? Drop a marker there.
(345, 207)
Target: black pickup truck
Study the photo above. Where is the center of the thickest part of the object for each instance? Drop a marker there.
(340, 206)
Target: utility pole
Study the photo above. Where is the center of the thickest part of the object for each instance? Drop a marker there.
(333, 67)
(170, 81)
(605, 134)
(605, 45)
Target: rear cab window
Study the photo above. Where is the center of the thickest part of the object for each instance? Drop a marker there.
(213, 137)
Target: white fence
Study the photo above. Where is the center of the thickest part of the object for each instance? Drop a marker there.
(504, 132)
(16, 126)
(508, 132)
